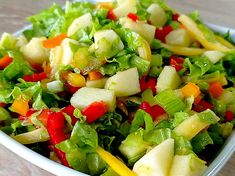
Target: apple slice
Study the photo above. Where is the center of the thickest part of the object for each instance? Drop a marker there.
(156, 162)
(125, 83)
(158, 16)
(87, 95)
(187, 165)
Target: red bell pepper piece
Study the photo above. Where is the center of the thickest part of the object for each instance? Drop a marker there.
(175, 17)
(111, 15)
(37, 67)
(216, 89)
(161, 33)
(3, 105)
(5, 61)
(148, 83)
(176, 62)
(55, 128)
(155, 111)
(229, 116)
(71, 89)
(70, 110)
(95, 111)
(146, 107)
(133, 16)
(202, 106)
(35, 77)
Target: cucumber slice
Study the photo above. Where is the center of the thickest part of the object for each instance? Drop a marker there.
(86, 96)
(125, 83)
(79, 23)
(158, 16)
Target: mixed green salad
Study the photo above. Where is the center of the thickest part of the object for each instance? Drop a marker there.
(130, 87)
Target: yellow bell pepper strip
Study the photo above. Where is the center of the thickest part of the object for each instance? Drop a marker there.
(184, 51)
(193, 29)
(53, 42)
(224, 42)
(76, 80)
(20, 106)
(119, 167)
(191, 89)
(145, 51)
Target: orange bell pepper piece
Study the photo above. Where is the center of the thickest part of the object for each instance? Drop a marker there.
(20, 106)
(191, 89)
(5, 61)
(95, 75)
(53, 42)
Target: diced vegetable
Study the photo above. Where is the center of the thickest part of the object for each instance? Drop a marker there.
(170, 102)
(84, 21)
(147, 31)
(158, 16)
(134, 147)
(39, 54)
(172, 82)
(123, 9)
(185, 165)
(200, 141)
(192, 126)
(85, 96)
(124, 83)
(94, 111)
(107, 43)
(55, 86)
(4, 114)
(35, 77)
(161, 33)
(216, 89)
(119, 167)
(214, 56)
(178, 37)
(38, 135)
(20, 106)
(8, 41)
(54, 42)
(176, 62)
(191, 89)
(5, 61)
(76, 80)
(157, 161)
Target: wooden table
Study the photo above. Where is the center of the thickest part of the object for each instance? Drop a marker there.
(12, 17)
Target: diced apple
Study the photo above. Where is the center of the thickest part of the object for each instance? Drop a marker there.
(125, 83)
(147, 31)
(35, 52)
(107, 43)
(100, 83)
(157, 15)
(156, 162)
(179, 37)
(79, 23)
(191, 127)
(67, 54)
(187, 165)
(168, 79)
(55, 59)
(86, 96)
(214, 56)
(125, 7)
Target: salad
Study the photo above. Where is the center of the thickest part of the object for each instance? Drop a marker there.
(130, 87)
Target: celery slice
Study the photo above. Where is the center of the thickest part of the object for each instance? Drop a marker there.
(170, 102)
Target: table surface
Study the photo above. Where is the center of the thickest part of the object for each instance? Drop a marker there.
(12, 17)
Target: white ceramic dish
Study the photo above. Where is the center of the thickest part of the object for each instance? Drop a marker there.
(223, 156)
